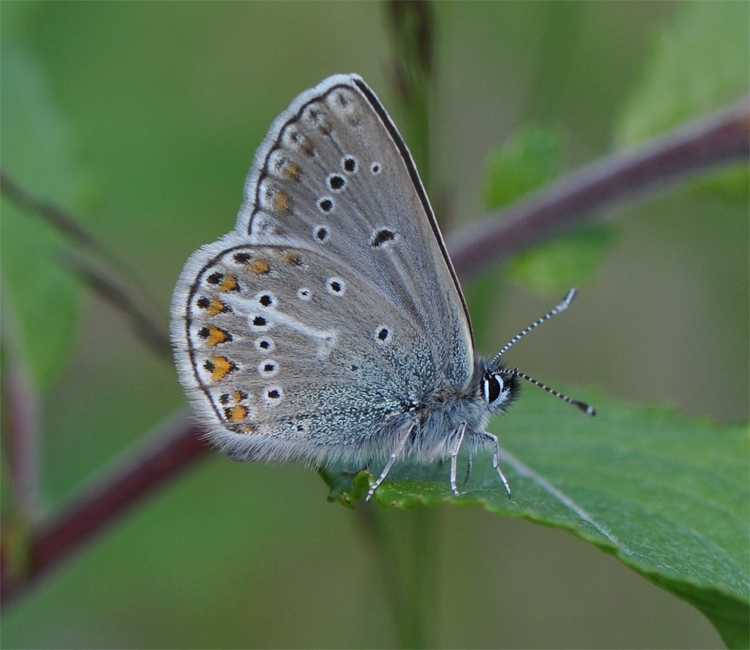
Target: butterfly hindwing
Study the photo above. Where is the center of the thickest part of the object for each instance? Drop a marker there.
(285, 347)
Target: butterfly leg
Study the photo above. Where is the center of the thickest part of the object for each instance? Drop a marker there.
(468, 469)
(394, 456)
(496, 458)
(460, 433)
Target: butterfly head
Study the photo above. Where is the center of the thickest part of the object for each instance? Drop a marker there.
(499, 386)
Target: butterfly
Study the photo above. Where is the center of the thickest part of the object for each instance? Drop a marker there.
(329, 326)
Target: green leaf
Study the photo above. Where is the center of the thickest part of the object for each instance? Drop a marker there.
(701, 63)
(731, 185)
(667, 496)
(41, 300)
(529, 160)
(345, 487)
(564, 262)
(526, 162)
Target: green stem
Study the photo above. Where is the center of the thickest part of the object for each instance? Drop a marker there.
(406, 551)
(370, 519)
(412, 38)
(424, 578)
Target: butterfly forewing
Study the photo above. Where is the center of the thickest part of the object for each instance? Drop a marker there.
(334, 176)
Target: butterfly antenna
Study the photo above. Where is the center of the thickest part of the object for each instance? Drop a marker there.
(586, 408)
(553, 312)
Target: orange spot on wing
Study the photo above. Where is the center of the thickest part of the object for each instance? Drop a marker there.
(236, 413)
(259, 266)
(215, 307)
(307, 147)
(216, 335)
(281, 201)
(229, 283)
(304, 144)
(220, 367)
(291, 171)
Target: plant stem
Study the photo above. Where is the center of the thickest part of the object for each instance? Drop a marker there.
(67, 224)
(425, 576)
(21, 433)
(711, 141)
(407, 564)
(412, 32)
(172, 451)
(412, 36)
(370, 519)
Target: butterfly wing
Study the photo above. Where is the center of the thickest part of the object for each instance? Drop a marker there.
(334, 175)
(292, 355)
(318, 326)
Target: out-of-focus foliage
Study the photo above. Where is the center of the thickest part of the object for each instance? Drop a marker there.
(699, 64)
(41, 300)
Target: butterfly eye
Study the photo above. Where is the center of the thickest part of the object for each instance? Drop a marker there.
(493, 388)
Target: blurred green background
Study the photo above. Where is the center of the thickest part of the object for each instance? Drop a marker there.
(159, 109)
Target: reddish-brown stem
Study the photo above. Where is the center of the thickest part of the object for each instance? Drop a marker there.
(719, 139)
(21, 426)
(20, 413)
(166, 455)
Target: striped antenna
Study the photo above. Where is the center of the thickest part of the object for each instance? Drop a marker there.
(586, 408)
(554, 312)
